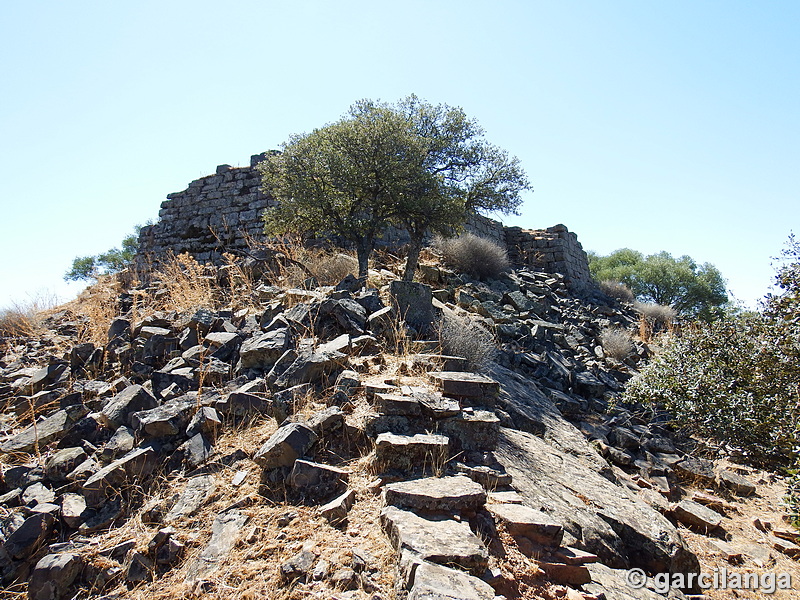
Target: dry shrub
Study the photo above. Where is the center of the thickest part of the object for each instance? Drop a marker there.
(617, 290)
(189, 285)
(617, 343)
(330, 269)
(464, 336)
(474, 255)
(98, 305)
(24, 319)
(654, 318)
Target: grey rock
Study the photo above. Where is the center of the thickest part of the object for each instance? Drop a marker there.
(317, 481)
(451, 494)
(63, 462)
(297, 567)
(53, 575)
(413, 303)
(336, 510)
(737, 484)
(73, 510)
(104, 518)
(325, 421)
(407, 453)
(312, 367)
(37, 494)
(286, 445)
(394, 404)
(138, 567)
(697, 515)
(224, 532)
(263, 351)
(607, 519)
(244, 404)
(29, 537)
(205, 421)
(436, 582)
(196, 493)
(696, 469)
(520, 520)
(442, 541)
(130, 400)
(470, 387)
(134, 466)
(196, 450)
(471, 430)
(168, 419)
(120, 444)
(46, 431)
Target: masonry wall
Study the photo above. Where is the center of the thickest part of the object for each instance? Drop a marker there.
(222, 213)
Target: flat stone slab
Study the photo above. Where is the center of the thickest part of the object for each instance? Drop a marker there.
(224, 533)
(394, 404)
(442, 541)
(521, 520)
(197, 492)
(317, 480)
(696, 469)
(436, 493)
(336, 510)
(46, 430)
(435, 582)
(135, 465)
(736, 483)
(407, 453)
(471, 386)
(697, 515)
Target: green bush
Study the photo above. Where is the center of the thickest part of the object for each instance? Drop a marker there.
(476, 256)
(736, 380)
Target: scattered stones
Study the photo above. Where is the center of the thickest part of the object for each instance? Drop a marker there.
(286, 445)
(737, 484)
(697, 515)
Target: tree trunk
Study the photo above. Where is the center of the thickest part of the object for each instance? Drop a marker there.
(412, 259)
(363, 250)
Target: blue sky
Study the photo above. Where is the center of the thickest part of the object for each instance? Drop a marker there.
(656, 126)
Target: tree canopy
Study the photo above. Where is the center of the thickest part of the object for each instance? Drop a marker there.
(694, 291)
(110, 261)
(412, 165)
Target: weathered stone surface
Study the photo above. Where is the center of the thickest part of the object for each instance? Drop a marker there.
(37, 493)
(394, 404)
(336, 510)
(455, 493)
(120, 444)
(574, 575)
(606, 518)
(103, 518)
(736, 483)
(611, 584)
(414, 303)
(197, 492)
(697, 515)
(168, 419)
(407, 453)
(134, 466)
(477, 389)
(471, 429)
(326, 421)
(138, 567)
(244, 404)
(46, 430)
(29, 536)
(130, 400)
(196, 450)
(205, 421)
(62, 462)
(312, 367)
(73, 509)
(436, 582)
(696, 469)
(297, 567)
(52, 576)
(442, 541)
(285, 446)
(224, 532)
(785, 546)
(317, 481)
(527, 522)
(262, 351)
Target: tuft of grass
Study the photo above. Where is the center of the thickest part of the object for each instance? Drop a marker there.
(617, 290)
(617, 343)
(477, 256)
(654, 318)
(464, 336)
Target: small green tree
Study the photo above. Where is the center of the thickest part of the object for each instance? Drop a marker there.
(694, 291)
(343, 179)
(461, 173)
(111, 261)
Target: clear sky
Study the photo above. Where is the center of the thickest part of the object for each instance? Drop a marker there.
(651, 125)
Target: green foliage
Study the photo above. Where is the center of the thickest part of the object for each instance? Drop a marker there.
(412, 165)
(111, 261)
(694, 291)
(737, 379)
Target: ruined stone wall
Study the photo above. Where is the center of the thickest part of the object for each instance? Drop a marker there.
(222, 212)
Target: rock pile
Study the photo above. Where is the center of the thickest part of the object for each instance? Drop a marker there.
(537, 448)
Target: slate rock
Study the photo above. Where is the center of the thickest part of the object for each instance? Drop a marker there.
(696, 469)
(737, 484)
(225, 531)
(286, 445)
(169, 419)
(697, 515)
(263, 351)
(442, 541)
(29, 537)
(37, 494)
(46, 431)
(407, 453)
(120, 444)
(196, 493)
(73, 510)
(520, 520)
(437, 582)
(414, 303)
(317, 481)
(336, 510)
(477, 389)
(298, 566)
(53, 575)
(134, 466)
(130, 400)
(450, 494)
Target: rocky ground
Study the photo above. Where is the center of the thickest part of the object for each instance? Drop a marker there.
(277, 442)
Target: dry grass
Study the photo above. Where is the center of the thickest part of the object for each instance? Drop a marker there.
(474, 255)
(654, 318)
(24, 319)
(464, 336)
(618, 291)
(189, 284)
(617, 343)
